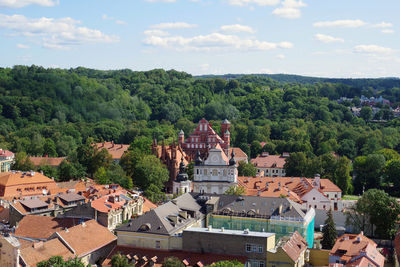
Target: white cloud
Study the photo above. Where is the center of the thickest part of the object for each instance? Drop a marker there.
(22, 46)
(117, 21)
(156, 32)
(327, 38)
(372, 49)
(348, 23)
(280, 56)
(62, 33)
(256, 2)
(212, 42)
(383, 25)
(290, 9)
(237, 28)
(173, 25)
(387, 31)
(22, 3)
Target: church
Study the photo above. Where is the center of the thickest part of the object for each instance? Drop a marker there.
(215, 174)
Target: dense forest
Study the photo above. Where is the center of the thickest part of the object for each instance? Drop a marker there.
(57, 111)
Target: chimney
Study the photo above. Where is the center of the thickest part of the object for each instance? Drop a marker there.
(209, 228)
(38, 245)
(112, 144)
(317, 181)
(280, 209)
(264, 154)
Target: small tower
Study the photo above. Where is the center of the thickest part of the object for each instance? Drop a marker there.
(232, 161)
(181, 138)
(198, 161)
(182, 184)
(317, 181)
(225, 126)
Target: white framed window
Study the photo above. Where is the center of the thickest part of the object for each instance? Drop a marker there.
(260, 249)
(248, 247)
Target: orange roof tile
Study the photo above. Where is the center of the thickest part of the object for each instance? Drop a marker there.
(104, 204)
(115, 150)
(270, 161)
(293, 187)
(349, 246)
(239, 154)
(37, 253)
(81, 237)
(24, 184)
(50, 161)
(191, 257)
(42, 227)
(295, 246)
(148, 205)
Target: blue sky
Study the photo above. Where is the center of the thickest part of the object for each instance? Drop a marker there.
(329, 38)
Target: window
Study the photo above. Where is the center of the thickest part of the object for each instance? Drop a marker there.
(313, 198)
(260, 249)
(248, 247)
(261, 264)
(315, 206)
(158, 244)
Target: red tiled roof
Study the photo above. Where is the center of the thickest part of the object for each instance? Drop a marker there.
(239, 154)
(104, 204)
(148, 205)
(5, 153)
(24, 183)
(349, 246)
(115, 150)
(270, 161)
(4, 214)
(42, 227)
(88, 237)
(295, 246)
(191, 257)
(50, 161)
(43, 251)
(293, 187)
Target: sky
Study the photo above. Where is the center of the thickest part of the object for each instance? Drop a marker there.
(323, 38)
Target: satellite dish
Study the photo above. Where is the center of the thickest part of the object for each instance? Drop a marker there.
(44, 192)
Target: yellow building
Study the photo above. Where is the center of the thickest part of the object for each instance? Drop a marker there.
(162, 227)
(289, 252)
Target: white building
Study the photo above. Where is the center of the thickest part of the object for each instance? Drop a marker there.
(270, 165)
(216, 174)
(182, 184)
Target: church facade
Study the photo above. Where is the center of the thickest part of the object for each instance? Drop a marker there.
(215, 174)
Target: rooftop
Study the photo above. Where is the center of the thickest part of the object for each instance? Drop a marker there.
(115, 150)
(50, 161)
(229, 232)
(42, 227)
(269, 161)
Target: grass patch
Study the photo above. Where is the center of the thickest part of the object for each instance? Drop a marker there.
(350, 197)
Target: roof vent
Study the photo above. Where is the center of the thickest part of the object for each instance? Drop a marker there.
(246, 231)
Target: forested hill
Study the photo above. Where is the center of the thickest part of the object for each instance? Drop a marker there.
(52, 111)
(377, 84)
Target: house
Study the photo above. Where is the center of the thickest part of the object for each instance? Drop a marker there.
(204, 138)
(281, 216)
(161, 228)
(46, 161)
(115, 208)
(36, 227)
(115, 150)
(6, 159)
(88, 241)
(170, 156)
(216, 174)
(314, 193)
(148, 205)
(355, 250)
(49, 205)
(270, 165)
(155, 257)
(239, 155)
(250, 244)
(14, 184)
(289, 251)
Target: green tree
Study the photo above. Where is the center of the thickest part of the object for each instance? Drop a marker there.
(118, 260)
(342, 175)
(49, 171)
(392, 172)
(235, 190)
(329, 232)
(366, 113)
(246, 169)
(255, 149)
(49, 148)
(368, 171)
(58, 261)
(150, 171)
(375, 205)
(172, 261)
(226, 263)
(297, 164)
(22, 162)
(70, 171)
